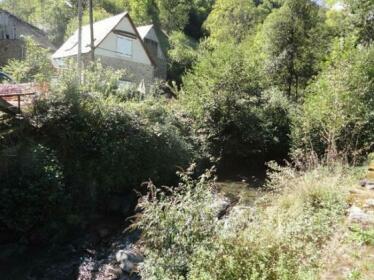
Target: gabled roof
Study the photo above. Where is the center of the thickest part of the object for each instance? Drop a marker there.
(24, 22)
(36, 29)
(160, 34)
(143, 30)
(101, 29)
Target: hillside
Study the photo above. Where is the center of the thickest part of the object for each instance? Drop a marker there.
(245, 163)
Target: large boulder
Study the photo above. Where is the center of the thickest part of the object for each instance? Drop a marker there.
(129, 259)
(369, 203)
(356, 214)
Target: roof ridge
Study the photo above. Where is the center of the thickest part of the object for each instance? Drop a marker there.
(104, 19)
(24, 21)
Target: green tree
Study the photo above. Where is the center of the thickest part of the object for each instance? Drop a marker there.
(183, 53)
(144, 12)
(336, 118)
(174, 14)
(363, 19)
(52, 16)
(197, 15)
(232, 110)
(292, 41)
(236, 18)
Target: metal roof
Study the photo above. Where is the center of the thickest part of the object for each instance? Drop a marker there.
(143, 30)
(101, 30)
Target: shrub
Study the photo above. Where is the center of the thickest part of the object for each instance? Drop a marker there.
(175, 226)
(32, 190)
(36, 66)
(108, 145)
(336, 118)
(101, 80)
(236, 118)
(281, 238)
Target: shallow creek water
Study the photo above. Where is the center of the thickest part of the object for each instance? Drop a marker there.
(242, 192)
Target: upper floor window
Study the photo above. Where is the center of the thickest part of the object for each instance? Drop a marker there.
(124, 46)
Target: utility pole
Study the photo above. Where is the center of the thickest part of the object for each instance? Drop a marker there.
(79, 53)
(92, 31)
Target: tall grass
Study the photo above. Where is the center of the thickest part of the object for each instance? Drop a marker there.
(282, 237)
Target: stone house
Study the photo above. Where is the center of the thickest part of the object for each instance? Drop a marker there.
(119, 44)
(12, 30)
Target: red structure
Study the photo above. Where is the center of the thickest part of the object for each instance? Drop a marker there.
(13, 92)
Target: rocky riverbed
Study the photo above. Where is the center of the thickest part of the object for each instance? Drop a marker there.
(104, 251)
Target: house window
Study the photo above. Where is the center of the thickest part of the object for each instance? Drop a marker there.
(124, 46)
(152, 47)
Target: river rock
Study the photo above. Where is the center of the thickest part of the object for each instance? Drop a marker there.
(128, 260)
(356, 214)
(369, 203)
(221, 204)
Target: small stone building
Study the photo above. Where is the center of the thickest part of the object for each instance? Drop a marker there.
(118, 44)
(12, 30)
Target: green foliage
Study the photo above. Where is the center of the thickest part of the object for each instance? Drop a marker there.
(363, 19)
(292, 42)
(36, 66)
(183, 53)
(113, 6)
(185, 221)
(281, 241)
(235, 116)
(101, 80)
(174, 13)
(336, 117)
(32, 190)
(362, 236)
(72, 26)
(236, 18)
(107, 145)
(52, 16)
(144, 12)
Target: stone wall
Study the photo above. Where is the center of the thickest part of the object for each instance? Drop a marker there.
(161, 69)
(135, 72)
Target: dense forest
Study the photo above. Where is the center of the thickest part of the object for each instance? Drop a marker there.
(282, 90)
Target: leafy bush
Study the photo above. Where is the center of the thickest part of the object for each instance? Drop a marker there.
(107, 145)
(336, 119)
(32, 190)
(101, 80)
(281, 238)
(175, 226)
(36, 66)
(236, 118)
